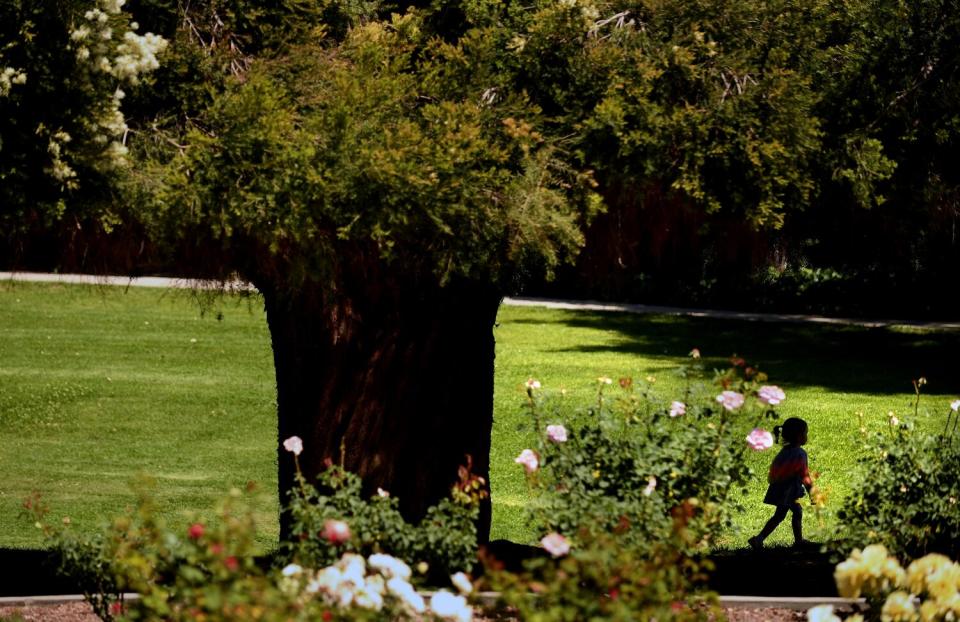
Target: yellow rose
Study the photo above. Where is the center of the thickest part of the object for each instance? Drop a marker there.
(930, 611)
(952, 605)
(848, 577)
(944, 582)
(918, 571)
(899, 607)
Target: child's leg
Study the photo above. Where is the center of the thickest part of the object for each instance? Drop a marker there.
(796, 521)
(775, 520)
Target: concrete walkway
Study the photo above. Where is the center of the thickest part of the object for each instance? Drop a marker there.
(573, 305)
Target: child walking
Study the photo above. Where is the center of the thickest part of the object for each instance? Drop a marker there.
(789, 480)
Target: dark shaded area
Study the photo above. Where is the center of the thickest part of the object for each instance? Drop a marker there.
(770, 572)
(27, 572)
(34, 572)
(839, 358)
(773, 572)
(832, 257)
(779, 571)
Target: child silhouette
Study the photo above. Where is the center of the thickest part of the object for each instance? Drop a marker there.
(789, 480)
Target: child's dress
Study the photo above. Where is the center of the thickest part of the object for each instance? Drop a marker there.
(787, 477)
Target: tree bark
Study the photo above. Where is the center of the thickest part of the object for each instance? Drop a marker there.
(398, 374)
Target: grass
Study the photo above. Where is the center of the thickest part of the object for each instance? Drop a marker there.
(100, 384)
(829, 374)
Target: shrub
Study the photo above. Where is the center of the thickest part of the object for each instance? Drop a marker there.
(636, 459)
(631, 494)
(444, 542)
(907, 498)
(604, 580)
(339, 566)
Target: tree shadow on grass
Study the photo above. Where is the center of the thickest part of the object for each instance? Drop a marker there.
(852, 359)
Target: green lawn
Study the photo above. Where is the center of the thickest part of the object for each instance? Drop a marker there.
(98, 385)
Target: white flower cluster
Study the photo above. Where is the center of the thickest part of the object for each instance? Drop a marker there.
(126, 60)
(137, 55)
(112, 6)
(113, 127)
(8, 77)
(58, 169)
(374, 583)
(589, 12)
(133, 56)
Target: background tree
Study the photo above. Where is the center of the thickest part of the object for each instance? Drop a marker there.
(64, 68)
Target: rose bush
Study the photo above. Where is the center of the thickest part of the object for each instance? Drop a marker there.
(346, 562)
(636, 458)
(631, 493)
(908, 496)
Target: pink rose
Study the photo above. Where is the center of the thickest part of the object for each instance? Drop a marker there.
(771, 395)
(555, 544)
(532, 384)
(677, 409)
(335, 531)
(731, 400)
(557, 433)
(294, 445)
(759, 439)
(529, 459)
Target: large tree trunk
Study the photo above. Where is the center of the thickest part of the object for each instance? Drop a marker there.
(400, 374)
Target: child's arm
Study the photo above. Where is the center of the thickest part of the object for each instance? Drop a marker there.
(805, 475)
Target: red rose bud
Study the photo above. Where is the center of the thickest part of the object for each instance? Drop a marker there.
(335, 531)
(195, 531)
(231, 563)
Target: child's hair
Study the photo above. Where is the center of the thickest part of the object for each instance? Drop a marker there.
(791, 430)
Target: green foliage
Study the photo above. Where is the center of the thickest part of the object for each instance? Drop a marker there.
(445, 540)
(606, 580)
(709, 100)
(62, 141)
(908, 495)
(633, 463)
(350, 149)
(632, 495)
(210, 572)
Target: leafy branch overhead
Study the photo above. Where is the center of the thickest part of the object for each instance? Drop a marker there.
(367, 142)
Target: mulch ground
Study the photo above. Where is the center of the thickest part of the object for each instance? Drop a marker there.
(81, 612)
